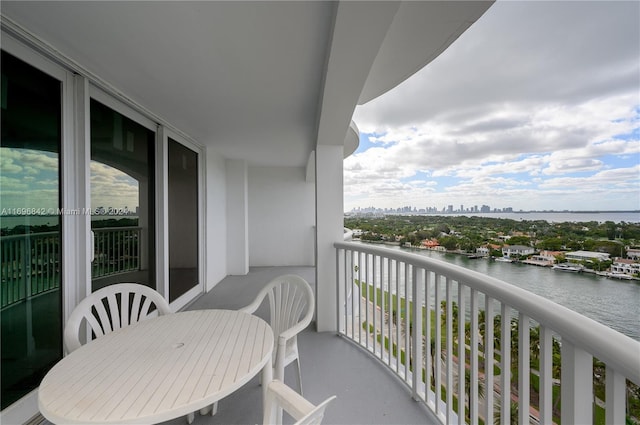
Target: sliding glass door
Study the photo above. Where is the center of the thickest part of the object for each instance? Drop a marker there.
(30, 234)
(143, 200)
(183, 219)
(122, 199)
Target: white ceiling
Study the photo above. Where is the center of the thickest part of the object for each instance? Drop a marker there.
(249, 79)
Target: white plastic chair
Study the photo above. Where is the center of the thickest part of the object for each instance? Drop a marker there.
(291, 304)
(281, 397)
(103, 311)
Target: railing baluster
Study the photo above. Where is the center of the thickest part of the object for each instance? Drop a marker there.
(118, 249)
(16, 284)
(505, 365)
(359, 297)
(438, 352)
(428, 336)
(462, 362)
(367, 298)
(390, 314)
(25, 290)
(354, 296)
(473, 395)
(383, 306)
(345, 275)
(418, 283)
(375, 304)
(616, 386)
(45, 269)
(407, 323)
(546, 375)
(338, 286)
(398, 316)
(577, 384)
(524, 359)
(5, 268)
(449, 349)
(488, 358)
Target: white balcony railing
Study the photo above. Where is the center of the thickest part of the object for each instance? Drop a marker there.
(117, 250)
(29, 266)
(30, 263)
(548, 363)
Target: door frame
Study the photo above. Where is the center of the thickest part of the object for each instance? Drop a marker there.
(25, 408)
(162, 242)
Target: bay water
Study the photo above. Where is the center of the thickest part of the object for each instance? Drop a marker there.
(612, 302)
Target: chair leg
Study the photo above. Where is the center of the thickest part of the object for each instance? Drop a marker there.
(191, 417)
(299, 376)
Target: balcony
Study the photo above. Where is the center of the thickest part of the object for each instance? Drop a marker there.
(554, 351)
(375, 386)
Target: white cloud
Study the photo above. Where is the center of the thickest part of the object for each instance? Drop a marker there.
(544, 89)
(111, 187)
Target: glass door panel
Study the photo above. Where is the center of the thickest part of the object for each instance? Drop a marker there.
(122, 199)
(30, 233)
(183, 219)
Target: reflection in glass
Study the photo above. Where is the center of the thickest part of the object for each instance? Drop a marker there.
(30, 295)
(122, 199)
(183, 219)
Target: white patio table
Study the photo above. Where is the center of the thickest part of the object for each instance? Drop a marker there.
(158, 369)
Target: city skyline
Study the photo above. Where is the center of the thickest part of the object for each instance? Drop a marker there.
(434, 210)
(531, 107)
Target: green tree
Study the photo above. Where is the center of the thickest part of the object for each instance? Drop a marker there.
(513, 414)
(520, 240)
(450, 243)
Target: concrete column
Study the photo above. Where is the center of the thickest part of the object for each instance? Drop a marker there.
(237, 218)
(329, 229)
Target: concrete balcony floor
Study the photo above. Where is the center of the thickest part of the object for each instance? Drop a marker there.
(367, 393)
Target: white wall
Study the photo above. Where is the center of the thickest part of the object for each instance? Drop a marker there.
(281, 217)
(216, 219)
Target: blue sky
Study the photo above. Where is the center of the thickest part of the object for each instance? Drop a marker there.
(535, 107)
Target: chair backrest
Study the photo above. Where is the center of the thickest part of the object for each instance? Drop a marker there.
(280, 396)
(291, 303)
(110, 308)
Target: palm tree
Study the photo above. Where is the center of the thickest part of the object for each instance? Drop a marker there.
(482, 326)
(433, 363)
(467, 387)
(513, 415)
(455, 317)
(534, 338)
(497, 331)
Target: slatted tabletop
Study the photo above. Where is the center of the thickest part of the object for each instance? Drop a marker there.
(157, 369)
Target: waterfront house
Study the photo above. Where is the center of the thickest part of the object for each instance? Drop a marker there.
(516, 250)
(483, 251)
(430, 243)
(633, 253)
(626, 266)
(586, 256)
(225, 124)
(543, 258)
(486, 250)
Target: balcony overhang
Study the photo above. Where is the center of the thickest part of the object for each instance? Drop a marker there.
(420, 31)
(264, 82)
